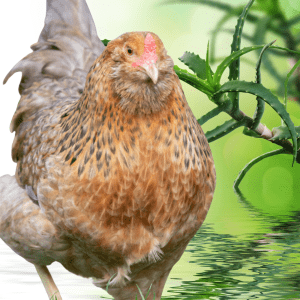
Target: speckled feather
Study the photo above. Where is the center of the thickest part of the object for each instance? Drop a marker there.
(122, 171)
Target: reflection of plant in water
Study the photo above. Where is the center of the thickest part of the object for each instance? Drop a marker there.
(226, 96)
(256, 267)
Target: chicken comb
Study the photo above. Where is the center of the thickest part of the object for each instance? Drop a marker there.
(149, 56)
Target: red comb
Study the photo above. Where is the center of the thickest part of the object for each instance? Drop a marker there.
(149, 56)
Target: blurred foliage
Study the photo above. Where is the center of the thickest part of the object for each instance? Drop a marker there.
(266, 15)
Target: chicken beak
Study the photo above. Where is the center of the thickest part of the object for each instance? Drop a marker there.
(152, 71)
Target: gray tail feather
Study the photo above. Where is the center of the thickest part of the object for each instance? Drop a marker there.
(68, 42)
(71, 17)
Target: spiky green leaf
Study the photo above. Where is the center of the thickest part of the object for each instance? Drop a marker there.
(105, 42)
(282, 132)
(228, 61)
(208, 70)
(234, 68)
(258, 39)
(270, 7)
(211, 114)
(235, 55)
(216, 31)
(253, 162)
(258, 65)
(287, 80)
(293, 21)
(285, 49)
(223, 129)
(260, 103)
(194, 81)
(260, 91)
(195, 63)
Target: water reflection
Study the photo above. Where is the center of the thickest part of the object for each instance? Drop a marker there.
(252, 266)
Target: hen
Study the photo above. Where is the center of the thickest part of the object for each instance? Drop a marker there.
(114, 174)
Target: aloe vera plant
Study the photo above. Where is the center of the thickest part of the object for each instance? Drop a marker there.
(226, 96)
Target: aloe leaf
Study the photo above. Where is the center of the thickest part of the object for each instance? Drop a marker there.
(215, 4)
(223, 129)
(229, 59)
(234, 67)
(259, 90)
(245, 36)
(235, 11)
(260, 30)
(285, 49)
(258, 65)
(287, 80)
(105, 42)
(211, 114)
(244, 59)
(207, 67)
(258, 39)
(270, 7)
(253, 162)
(282, 132)
(195, 63)
(216, 31)
(194, 81)
(260, 102)
(293, 21)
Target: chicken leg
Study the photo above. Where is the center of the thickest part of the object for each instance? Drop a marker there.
(48, 282)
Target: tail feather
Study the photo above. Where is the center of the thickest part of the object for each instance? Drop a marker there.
(68, 42)
(65, 17)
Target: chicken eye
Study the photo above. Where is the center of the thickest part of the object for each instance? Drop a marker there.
(129, 51)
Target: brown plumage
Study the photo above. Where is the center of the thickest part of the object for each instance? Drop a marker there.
(119, 173)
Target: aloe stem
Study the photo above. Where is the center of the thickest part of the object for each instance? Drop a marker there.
(253, 162)
(266, 133)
